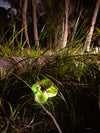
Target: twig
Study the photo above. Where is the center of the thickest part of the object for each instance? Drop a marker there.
(29, 126)
(54, 120)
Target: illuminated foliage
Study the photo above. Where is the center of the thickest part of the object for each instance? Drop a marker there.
(43, 90)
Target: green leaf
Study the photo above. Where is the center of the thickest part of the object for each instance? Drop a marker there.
(45, 83)
(52, 91)
(98, 29)
(11, 109)
(41, 97)
(35, 88)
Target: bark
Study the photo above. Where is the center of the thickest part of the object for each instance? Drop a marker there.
(89, 36)
(24, 14)
(19, 65)
(66, 24)
(35, 29)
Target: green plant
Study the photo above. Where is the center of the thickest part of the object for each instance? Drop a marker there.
(9, 48)
(44, 89)
(51, 92)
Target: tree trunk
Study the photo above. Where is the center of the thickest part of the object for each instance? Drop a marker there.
(89, 36)
(66, 24)
(35, 29)
(24, 12)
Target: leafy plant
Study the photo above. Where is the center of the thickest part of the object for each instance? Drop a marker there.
(44, 89)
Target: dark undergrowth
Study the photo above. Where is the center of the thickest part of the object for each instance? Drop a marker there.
(75, 108)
